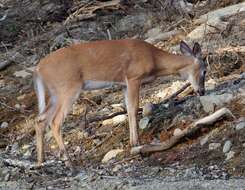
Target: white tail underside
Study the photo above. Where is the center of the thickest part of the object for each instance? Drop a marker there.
(40, 90)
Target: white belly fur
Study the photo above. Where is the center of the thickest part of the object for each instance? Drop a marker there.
(95, 85)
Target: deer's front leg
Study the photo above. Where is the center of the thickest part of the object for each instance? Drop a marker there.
(132, 103)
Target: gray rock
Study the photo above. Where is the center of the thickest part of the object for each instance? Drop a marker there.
(15, 148)
(22, 74)
(240, 125)
(227, 146)
(27, 154)
(17, 106)
(209, 102)
(6, 177)
(129, 22)
(230, 155)
(204, 140)
(148, 109)
(4, 125)
(153, 32)
(111, 154)
(213, 146)
(117, 168)
(177, 132)
(144, 122)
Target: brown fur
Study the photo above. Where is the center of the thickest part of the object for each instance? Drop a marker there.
(126, 61)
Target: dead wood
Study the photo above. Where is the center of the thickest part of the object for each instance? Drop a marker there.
(237, 49)
(104, 117)
(208, 120)
(18, 163)
(87, 11)
(185, 86)
(25, 164)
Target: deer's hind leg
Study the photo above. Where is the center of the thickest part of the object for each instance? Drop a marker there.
(40, 126)
(65, 100)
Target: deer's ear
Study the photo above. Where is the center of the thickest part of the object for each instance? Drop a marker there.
(197, 51)
(185, 49)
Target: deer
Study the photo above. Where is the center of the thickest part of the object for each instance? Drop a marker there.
(64, 73)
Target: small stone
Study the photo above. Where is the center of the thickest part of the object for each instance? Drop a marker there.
(49, 187)
(14, 148)
(115, 120)
(111, 154)
(119, 119)
(27, 154)
(17, 106)
(22, 74)
(2, 83)
(227, 146)
(148, 109)
(230, 155)
(96, 141)
(6, 177)
(85, 134)
(240, 125)
(32, 69)
(4, 125)
(81, 176)
(211, 84)
(117, 168)
(144, 123)
(153, 32)
(177, 132)
(209, 102)
(21, 97)
(26, 146)
(204, 140)
(213, 146)
(117, 105)
(77, 150)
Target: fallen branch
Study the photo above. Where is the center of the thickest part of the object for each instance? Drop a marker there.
(25, 164)
(238, 49)
(208, 120)
(104, 117)
(9, 60)
(176, 93)
(87, 11)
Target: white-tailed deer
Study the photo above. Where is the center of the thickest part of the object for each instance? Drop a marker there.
(88, 66)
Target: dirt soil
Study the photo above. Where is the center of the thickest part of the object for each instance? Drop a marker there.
(32, 29)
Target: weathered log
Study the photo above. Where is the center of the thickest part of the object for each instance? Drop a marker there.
(208, 120)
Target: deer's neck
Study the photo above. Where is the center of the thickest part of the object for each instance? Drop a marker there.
(171, 64)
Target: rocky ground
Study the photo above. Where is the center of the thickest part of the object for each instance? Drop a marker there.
(211, 158)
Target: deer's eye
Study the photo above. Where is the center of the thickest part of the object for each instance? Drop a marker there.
(204, 73)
